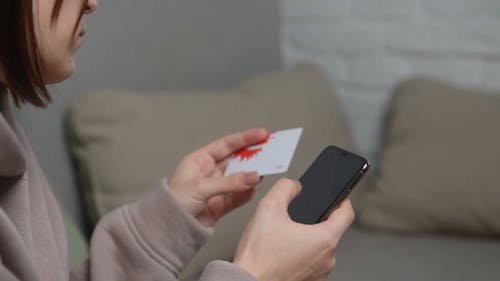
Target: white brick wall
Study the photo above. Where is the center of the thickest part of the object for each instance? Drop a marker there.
(366, 46)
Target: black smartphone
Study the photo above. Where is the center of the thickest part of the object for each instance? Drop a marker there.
(327, 182)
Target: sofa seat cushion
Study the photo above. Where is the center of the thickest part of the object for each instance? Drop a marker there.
(381, 256)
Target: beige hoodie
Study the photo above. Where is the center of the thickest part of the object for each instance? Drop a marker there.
(153, 239)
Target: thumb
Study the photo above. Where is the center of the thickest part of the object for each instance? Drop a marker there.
(229, 184)
(283, 192)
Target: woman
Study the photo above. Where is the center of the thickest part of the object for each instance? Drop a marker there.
(154, 238)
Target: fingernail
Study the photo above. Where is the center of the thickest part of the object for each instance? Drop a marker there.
(251, 178)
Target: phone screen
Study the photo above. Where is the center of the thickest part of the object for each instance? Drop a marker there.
(326, 183)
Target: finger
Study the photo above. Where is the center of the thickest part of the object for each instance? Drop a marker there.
(234, 183)
(222, 164)
(340, 219)
(225, 146)
(235, 200)
(283, 192)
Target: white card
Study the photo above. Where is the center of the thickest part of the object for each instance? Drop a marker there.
(271, 156)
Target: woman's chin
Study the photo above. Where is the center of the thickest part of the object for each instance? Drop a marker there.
(61, 73)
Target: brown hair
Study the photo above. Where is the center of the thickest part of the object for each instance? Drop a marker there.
(19, 53)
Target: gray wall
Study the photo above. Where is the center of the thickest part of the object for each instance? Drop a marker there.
(148, 45)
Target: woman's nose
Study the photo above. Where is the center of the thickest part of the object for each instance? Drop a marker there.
(91, 6)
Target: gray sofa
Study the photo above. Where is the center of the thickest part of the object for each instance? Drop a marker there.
(413, 222)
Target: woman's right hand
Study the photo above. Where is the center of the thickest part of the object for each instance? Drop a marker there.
(275, 248)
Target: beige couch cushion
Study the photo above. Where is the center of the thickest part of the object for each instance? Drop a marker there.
(124, 142)
(440, 162)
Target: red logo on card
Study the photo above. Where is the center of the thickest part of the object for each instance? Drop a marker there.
(249, 152)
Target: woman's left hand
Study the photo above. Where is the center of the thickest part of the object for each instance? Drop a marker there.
(199, 184)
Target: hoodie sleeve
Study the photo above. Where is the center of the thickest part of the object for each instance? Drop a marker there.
(152, 238)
